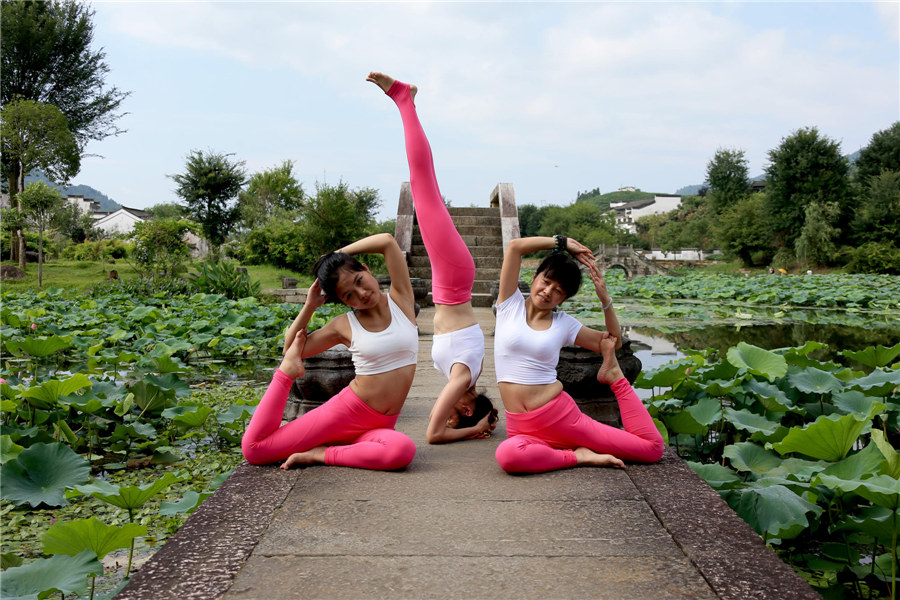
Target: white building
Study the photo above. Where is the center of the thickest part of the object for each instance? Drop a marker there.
(121, 221)
(628, 212)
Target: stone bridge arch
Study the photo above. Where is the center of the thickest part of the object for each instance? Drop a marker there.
(627, 259)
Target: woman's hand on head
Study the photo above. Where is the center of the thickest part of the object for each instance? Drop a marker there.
(315, 297)
(580, 252)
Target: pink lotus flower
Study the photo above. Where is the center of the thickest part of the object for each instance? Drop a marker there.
(33, 326)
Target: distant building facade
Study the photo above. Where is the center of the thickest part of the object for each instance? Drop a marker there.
(629, 212)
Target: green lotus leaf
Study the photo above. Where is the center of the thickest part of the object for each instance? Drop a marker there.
(806, 349)
(799, 469)
(874, 356)
(874, 521)
(854, 402)
(719, 387)
(39, 347)
(757, 361)
(144, 314)
(667, 375)
(775, 512)
(47, 394)
(815, 381)
(235, 412)
(131, 496)
(770, 396)
(41, 473)
(892, 468)
(196, 416)
(8, 448)
(151, 398)
(92, 534)
(62, 574)
(881, 490)
(827, 438)
(878, 382)
(752, 422)
(188, 503)
(747, 456)
(694, 420)
(863, 463)
(170, 382)
(717, 476)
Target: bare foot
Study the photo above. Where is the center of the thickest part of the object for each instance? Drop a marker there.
(589, 458)
(385, 82)
(316, 456)
(292, 363)
(610, 371)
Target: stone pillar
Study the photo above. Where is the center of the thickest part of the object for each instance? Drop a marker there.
(403, 228)
(577, 370)
(504, 197)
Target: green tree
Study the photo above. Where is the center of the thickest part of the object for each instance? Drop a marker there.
(807, 167)
(582, 221)
(209, 184)
(35, 135)
(530, 217)
(273, 189)
(168, 210)
(882, 154)
(46, 55)
(878, 212)
(160, 249)
(728, 177)
(39, 203)
(336, 216)
(70, 222)
(818, 238)
(744, 231)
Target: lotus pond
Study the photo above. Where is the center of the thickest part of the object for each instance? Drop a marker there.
(120, 415)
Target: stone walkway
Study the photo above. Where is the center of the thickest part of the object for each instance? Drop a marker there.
(454, 525)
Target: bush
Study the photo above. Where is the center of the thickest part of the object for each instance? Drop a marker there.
(278, 243)
(876, 257)
(223, 277)
(96, 251)
(146, 286)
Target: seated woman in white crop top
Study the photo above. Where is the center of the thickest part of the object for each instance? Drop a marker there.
(459, 411)
(356, 427)
(545, 428)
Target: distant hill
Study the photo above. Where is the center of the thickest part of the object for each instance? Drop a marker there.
(106, 204)
(604, 200)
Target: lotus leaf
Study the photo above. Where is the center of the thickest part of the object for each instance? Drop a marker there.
(63, 574)
(815, 381)
(73, 537)
(235, 412)
(38, 347)
(151, 398)
(695, 419)
(892, 468)
(757, 361)
(775, 512)
(854, 402)
(827, 438)
(752, 422)
(771, 396)
(667, 375)
(881, 490)
(8, 448)
(717, 476)
(874, 356)
(132, 497)
(188, 503)
(47, 394)
(863, 463)
(879, 382)
(747, 456)
(874, 521)
(41, 473)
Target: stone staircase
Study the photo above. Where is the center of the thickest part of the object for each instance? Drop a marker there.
(481, 231)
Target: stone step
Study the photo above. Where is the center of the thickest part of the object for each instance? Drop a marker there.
(465, 211)
(467, 231)
(474, 220)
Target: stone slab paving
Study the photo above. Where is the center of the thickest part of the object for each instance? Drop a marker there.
(453, 524)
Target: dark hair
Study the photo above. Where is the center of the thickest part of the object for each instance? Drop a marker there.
(483, 406)
(563, 270)
(328, 268)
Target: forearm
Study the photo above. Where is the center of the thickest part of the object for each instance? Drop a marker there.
(612, 324)
(443, 435)
(374, 244)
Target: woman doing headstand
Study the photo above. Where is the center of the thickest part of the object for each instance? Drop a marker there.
(355, 428)
(545, 428)
(458, 347)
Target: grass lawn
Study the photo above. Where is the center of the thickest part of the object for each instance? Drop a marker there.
(80, 275)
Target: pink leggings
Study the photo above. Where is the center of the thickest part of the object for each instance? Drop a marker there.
(452, 267)
(545, 439)
(356, 435)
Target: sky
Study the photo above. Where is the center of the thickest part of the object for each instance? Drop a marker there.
(555, 98)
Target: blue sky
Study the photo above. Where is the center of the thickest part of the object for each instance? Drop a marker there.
(556, 98)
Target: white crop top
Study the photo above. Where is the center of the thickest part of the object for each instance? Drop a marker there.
(375, 352)
(525, 355)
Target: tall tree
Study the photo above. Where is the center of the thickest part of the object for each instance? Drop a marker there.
(728, 177)
(46, 55)
(584, 221)
(273, 189)
(40, 202)
(878, 213)
(209, 184)
(818, 238)
(882, 154)
(336, 216)
(807, 167)
(35, 135)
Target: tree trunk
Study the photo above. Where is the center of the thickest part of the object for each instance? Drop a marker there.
(19, 232)
(40, 257)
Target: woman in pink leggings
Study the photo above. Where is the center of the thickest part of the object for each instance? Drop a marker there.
(356, 427)
(459, 412)
(545, 428)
